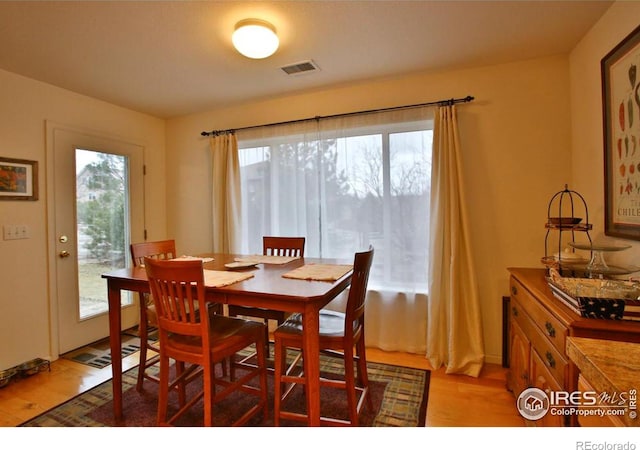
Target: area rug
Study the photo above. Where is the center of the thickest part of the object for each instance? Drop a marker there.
(98, 354)
(399, 396)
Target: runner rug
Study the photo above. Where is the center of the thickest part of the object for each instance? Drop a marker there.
(98, 354)
(399, 396)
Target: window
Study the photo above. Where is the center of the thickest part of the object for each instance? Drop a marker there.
(343, 186)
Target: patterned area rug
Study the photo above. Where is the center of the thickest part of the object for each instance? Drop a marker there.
(399, 396)
(98, 354)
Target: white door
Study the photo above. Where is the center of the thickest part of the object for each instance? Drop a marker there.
(95, 212)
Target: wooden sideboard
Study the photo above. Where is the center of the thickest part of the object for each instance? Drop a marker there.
(539, 325)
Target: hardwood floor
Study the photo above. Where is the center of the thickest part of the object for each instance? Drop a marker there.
(460, 400)
(454, 400)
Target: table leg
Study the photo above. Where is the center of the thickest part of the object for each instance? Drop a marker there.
(310, 342)
(115, 343)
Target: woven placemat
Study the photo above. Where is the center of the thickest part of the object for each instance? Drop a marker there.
(266, 259)
(218, 278)
(319, 272)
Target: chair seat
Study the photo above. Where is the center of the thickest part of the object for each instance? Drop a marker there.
(227, 335)
(331, 324)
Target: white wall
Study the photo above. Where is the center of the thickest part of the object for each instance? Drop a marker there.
(515, 140)
(26, 105)
(587, 123)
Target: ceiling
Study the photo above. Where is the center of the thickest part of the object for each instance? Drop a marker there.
(172, 58)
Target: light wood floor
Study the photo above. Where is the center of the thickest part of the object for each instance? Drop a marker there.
(454, 400)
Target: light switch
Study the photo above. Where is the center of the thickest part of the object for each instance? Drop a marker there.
(22, 232)
(11, 232)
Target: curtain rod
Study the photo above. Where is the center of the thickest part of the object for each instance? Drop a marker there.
(448, 102)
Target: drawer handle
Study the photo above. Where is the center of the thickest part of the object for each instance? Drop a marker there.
(514, 290)
(550, 330)
(514, 310)
(550, 360)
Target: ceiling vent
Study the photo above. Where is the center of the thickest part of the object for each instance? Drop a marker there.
(300, 68)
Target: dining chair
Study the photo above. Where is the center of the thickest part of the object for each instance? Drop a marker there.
(271, 246)
(197, 342)
(339, 334)
(148, 319)
(161, 250)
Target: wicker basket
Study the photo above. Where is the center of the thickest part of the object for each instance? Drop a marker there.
(597, 299)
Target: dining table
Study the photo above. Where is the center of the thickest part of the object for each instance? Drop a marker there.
(272, 284)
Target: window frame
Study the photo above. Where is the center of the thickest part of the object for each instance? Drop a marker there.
(385, 131)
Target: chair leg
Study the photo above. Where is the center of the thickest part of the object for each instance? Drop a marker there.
(349, 375)
(280, 321)
(266, 336)
(163, 391)
(143, 331)
(363, 376)
(216, 309)
(182, 391)
(209, 393)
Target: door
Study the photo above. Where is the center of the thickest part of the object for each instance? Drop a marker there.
(542, 379)
(95, 212)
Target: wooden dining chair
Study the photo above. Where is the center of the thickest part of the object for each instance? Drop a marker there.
(198, 342)
(158, 250)
(340, 333)
(272, 246)
(161, 250)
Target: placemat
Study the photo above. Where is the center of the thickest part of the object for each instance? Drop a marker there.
(319, 272)
(219, 278)
(267, 259)
(192, 258)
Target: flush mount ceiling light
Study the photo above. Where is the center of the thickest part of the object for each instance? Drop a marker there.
(255, 38)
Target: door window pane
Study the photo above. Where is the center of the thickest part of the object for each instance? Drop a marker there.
(101, 211)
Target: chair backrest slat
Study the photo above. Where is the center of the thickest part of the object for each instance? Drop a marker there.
(283, 246)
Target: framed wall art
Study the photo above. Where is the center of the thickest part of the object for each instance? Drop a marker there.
(18, 179)
(621, 113)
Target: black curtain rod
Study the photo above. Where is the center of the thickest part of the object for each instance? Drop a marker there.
(449, 102)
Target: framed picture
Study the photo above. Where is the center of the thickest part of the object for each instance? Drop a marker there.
(18, 179)
(621, 114)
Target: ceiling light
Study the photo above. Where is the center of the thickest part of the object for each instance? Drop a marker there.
(255, 38)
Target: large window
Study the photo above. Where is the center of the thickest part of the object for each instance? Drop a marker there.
(344, 188)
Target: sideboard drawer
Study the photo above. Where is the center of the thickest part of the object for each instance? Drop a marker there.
(549, 325)
(553, 359)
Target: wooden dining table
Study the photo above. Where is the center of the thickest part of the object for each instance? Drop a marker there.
(267, 288)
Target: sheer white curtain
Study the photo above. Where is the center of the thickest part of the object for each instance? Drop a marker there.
(226, 198)
(454, 323)
(345, 183)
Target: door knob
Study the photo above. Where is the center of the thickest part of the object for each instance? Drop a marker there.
(64, 254)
